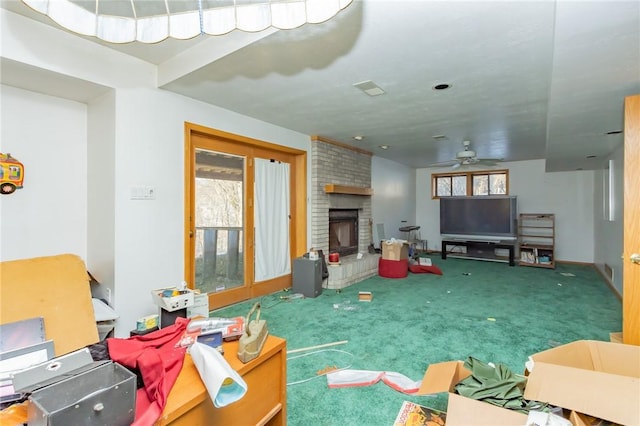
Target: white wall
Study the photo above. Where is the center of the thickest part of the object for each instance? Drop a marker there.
(49, 215)
(101, 193)
(393, 201)
(135, 246)
(133, 135)
(609, 235)
(149, 145)
(568, 195)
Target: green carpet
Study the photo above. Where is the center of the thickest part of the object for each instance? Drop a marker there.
(487, 310)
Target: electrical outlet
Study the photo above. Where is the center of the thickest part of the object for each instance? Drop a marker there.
(108, 296)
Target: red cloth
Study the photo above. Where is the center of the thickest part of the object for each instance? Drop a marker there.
(159, 361)
(393, 268)
(419, 269)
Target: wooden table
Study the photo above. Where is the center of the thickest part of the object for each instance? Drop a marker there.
(265, 402)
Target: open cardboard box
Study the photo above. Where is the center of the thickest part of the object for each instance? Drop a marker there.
(463, 411)
(601, 379)
(395, 249)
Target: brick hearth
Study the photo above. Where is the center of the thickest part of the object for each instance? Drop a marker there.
(352, 270)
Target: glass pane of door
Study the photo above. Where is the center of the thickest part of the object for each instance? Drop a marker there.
(219, 221)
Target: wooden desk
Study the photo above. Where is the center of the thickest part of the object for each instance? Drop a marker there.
(265, 402)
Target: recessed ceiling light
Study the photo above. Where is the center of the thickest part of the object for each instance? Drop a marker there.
(591, 156)
(384, 146)
(358, 138)
(614, 132)
(439, 137)
(369, 87)
(441, 86)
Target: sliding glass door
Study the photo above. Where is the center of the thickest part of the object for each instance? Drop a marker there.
(245, 217)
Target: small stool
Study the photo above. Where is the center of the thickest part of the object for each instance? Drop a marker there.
(409, 230)
(393, 268)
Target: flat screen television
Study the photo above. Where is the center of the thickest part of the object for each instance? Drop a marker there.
(489, 217)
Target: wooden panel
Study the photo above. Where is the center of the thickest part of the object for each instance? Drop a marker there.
(631, 271)
(264, 402)
(55, 288)
(345, 189)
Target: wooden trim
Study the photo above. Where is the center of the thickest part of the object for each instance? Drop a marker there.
(630, 270)
(469, 175)
(239, 139)
(316, 138)
(189, 203)
(218, 140)
(333, 188)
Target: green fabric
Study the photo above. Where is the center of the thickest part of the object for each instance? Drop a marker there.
(496, 385)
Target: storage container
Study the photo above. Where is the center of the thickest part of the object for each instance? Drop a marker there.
(104, 395)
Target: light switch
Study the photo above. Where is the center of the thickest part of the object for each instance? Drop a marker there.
(143, 193)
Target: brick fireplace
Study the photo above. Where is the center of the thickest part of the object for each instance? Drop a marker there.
(337, 164)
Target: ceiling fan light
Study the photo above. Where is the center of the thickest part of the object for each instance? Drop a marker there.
(466, 154)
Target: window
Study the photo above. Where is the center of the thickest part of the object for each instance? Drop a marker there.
(492, 182)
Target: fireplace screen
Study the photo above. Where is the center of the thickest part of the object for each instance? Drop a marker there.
(343, 231)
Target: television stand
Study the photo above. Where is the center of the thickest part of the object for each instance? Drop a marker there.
(479, 250)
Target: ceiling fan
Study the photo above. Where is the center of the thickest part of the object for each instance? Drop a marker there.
(466, 157)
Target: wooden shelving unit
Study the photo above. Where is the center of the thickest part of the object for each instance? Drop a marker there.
(536, 240)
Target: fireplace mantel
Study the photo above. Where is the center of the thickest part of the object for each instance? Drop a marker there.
(333, 188)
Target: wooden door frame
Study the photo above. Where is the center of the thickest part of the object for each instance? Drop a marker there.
(297, 160)
(631, 271)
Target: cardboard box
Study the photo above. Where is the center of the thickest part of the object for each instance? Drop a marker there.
(365, 296)
(395, 249)
(463, 411)
(601, 379)
(616, 337)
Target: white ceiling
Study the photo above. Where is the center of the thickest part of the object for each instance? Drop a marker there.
(529, 79)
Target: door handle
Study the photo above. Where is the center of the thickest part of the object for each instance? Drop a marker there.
(635, 258)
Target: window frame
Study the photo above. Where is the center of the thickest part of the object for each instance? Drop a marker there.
(469, 182)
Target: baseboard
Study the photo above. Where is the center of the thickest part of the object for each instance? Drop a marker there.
(600, 272)
(610, 283)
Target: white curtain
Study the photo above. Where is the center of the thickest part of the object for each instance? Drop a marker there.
(272, 254)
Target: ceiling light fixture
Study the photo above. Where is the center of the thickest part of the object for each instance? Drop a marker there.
(384, 146)
(442, 86)
(151, 21)
(358, 138)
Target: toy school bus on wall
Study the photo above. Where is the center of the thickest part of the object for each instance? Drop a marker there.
(11, 174)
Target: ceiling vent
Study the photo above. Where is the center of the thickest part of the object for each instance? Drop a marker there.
(369, 87)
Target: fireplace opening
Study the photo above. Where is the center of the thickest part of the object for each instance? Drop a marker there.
(343, 231)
